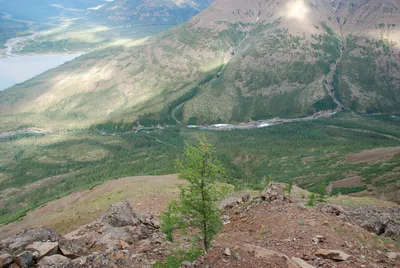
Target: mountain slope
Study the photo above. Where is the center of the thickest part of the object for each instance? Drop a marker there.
(149, 11)
(235, 61)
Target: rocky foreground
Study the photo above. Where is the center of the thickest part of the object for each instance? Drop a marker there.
(270, 230)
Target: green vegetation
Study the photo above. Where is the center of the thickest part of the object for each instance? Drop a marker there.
(80, 160)
(198, 199)
(170, 219)
(349, 190)
(322, 195)
(175, 259)
(289, 187)
(312, 200)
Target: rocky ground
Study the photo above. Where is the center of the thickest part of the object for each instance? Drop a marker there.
(120, 238)
(267, 230)
(277, 231)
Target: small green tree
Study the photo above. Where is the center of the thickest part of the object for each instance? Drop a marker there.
(322, 193)
(289, 187)
(312, 200)
(198, 198)
(170, 220)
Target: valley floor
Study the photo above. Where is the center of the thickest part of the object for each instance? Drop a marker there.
(357, 155)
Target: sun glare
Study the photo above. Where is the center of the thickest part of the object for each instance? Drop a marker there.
(297, 10)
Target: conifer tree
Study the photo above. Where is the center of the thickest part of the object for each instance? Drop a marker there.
(198, 198)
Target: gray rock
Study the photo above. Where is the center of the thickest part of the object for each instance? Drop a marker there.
(5, 260)
(187, 264)
(20, 241)
(299, 263)
(24, 259)
(120, 215)
(274, 192)
(229, 203)
(225, 219)
(383, 221)
(246, 197)
(43, 248)
(72, 248)
(336, 255)
(334, 210)
(54, 261)
(392, 255)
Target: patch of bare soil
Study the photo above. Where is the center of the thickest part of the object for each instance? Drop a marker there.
(349, 182)
(329, 155)
(373, 156)
(308, 159)
(145, 193)
(294, 230)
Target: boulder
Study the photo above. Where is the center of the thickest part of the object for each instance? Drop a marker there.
(380, 220)
(299, 263)
(246, 197)
(260, 252)
(93, 261)
(229, 203)
(336, 255)
(54, 261)
(334, 210)
(149, 219)
(268, 254)
(24, 259)
(113, 235)
(227, 252)
(393, 230)
(5, 260)
(144, 246)
(72, 248)
(120, 215)
(274, 192)
(318, 239)
(43, 248)
(392, 255)
(20, 241)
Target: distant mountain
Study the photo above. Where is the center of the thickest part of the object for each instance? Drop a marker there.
(238, 60)
(43, 10)
(77, 26)
(144, 12)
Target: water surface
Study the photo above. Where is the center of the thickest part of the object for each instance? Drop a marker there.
(17, 69)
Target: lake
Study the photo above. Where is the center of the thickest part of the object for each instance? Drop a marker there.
(18, 69)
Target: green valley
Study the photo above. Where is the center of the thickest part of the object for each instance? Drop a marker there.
(37, 169)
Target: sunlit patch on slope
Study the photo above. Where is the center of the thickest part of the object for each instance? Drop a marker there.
(296, 9)
(127, 42)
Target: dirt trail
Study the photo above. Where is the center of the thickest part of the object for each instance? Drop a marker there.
(368, 131)
(174, 111)
(373, 156)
